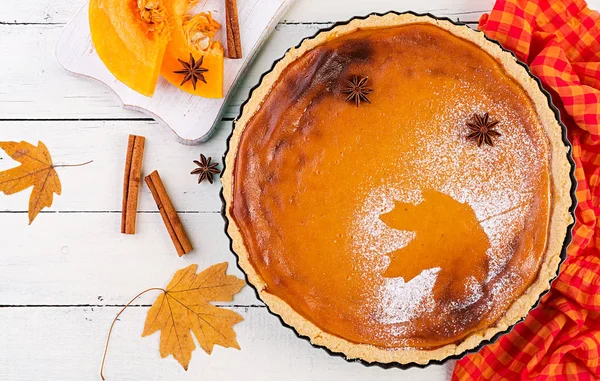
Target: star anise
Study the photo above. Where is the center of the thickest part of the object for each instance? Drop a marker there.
(483, 130)
(205, 169)
(192, 71)
(357, 90)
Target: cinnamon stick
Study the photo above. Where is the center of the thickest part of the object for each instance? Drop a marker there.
(168, 213)
(131, 183)
(234, 40)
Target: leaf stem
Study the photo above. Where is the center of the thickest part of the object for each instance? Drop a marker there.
(73, 165)
(117, 317)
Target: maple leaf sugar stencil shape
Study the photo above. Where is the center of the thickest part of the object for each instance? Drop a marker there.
(36, 170)
(447, 235)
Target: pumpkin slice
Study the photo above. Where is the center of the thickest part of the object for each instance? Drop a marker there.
(192, 45)
(130, 37)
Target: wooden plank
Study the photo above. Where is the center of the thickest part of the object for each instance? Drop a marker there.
(305, 11)
(34, 86)
(324, 11)
(74, 259)
(98, 186)
(50, 11)
(66, 344)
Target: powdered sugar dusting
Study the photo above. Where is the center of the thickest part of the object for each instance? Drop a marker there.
(475, 293)
(398, 301)
(402, 301)
(498, 190)
(375, 236)
(488, 179)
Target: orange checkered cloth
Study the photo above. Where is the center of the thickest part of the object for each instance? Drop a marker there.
(559, 340)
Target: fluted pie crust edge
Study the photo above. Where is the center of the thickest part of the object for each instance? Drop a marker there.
(560, 216)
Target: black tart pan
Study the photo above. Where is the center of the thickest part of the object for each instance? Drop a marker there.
(566, 243)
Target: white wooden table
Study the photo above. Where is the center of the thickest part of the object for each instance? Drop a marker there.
(63, 279)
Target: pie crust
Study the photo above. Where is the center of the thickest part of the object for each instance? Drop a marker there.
(561, 216)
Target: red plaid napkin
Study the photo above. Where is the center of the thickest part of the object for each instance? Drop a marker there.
(559, 340)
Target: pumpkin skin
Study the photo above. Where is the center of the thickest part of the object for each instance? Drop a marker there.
(182, 44)
(132, 50)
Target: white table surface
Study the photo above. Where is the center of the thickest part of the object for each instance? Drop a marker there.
(63, 279)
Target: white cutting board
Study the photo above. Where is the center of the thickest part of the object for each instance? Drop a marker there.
(191, 118)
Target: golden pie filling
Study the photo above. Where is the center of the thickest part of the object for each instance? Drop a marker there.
(380, 221)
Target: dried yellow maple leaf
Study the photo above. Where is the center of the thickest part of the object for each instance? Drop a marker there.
(36, 170)
(184, 307)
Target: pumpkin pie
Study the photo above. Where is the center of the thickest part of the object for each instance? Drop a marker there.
(398, 189)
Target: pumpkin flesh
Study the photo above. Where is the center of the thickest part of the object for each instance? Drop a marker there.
(130, 40)
(193, 35)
